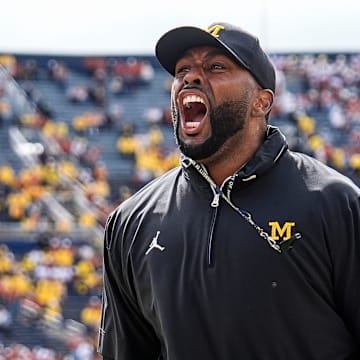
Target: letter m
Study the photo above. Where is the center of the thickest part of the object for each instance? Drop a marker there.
(278, 232)
(214, 30)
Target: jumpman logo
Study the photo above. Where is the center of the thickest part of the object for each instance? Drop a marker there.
(154, 244)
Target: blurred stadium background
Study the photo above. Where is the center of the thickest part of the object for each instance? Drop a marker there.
(78, 135)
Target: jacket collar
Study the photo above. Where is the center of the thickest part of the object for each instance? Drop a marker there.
(266, 156)
(271, 150)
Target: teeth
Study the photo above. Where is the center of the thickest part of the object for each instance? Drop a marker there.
(191, 99)
(192, 124)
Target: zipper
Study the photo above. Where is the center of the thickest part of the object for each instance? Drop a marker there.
(211, 236)
(216, 200)
(214, 204)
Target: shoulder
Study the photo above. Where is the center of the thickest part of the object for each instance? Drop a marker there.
(150, 193)
(155, 188)
(149, 200)
(320, 178)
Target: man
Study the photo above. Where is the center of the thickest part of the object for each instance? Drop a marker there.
(246, 251)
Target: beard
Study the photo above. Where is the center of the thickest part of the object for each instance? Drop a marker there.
(226, 120)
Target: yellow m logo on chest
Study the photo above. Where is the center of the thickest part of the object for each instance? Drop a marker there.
(281, 232)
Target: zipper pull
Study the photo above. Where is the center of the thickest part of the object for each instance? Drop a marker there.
(216, 200)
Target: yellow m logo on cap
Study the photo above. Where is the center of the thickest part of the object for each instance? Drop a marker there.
(214, 30)
(283, 232)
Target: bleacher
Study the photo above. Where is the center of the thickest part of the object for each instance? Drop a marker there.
(153, 94)
(54, 96)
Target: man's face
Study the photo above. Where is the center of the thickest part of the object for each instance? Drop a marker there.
(210, 101)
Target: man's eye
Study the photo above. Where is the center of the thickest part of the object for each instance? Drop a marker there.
(216, 67)
(182, 70)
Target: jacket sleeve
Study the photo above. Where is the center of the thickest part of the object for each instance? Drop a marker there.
(124, 333)
(345, 227)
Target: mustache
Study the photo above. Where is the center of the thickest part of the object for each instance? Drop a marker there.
(193, 86)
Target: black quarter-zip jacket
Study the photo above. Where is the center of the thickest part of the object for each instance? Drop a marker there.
(191, 275)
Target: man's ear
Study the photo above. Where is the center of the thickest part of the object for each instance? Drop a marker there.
(263, 103)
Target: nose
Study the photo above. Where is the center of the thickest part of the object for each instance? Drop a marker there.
(193, 76)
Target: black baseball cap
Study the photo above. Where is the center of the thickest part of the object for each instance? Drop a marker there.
(239, 44)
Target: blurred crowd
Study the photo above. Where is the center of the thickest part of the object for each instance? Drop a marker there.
(34, 288)
(325, 108)
(317, 106)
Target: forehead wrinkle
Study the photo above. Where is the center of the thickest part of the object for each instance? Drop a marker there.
(211, 52)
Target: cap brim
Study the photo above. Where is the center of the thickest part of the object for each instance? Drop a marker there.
(174, 43)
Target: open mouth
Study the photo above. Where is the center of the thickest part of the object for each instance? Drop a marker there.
(194, 111)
